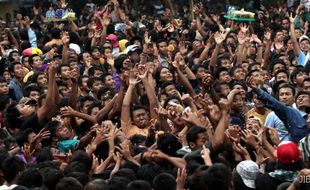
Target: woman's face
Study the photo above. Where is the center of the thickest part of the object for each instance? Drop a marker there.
(165, 75)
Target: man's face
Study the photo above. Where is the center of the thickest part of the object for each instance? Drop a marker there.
(285, 24)
(304, 45)
(278, 67)
(42, 80)
(86, 105)
(63, 133)
(98, 73)
(224, 77)
(306, 86)
(37, 62)
(281, 77)
(257, 102)
(96, 86)
(286, 96)
(4, 88)
(65, 72)
(84, 83)
(279, 36)
(201, 72)
(162, 46)
(300, 77)
(64, 91)
(95, 54)
(34, 95)
(171, 90)
(201, 140)
(238, 103)
(226, 63)
(140, 118)
(239, 74)
(302, 101)
(109, 82)
(19, 71)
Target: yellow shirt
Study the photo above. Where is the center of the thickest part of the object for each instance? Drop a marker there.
(252, 112)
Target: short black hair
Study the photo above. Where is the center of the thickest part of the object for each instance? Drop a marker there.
(12, 66)
(164, 181)
(91, 81)
(12, 116)
(168, 144)
(11, 167)
(295, 73)
(69, 183)
(219, 70)
(30, 178)
(28, 89)
(86, 98)
(31, 58)
(22, 136)
(218, 176)
(91, 71)
(51, 177)
(61, 66)
(118, 64)
(139, 185)
(192, 134)
(285, 85)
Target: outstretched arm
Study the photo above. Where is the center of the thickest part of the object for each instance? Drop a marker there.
(44, 110)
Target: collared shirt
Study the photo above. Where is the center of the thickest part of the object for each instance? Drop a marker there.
(292, 118)
(15, 90)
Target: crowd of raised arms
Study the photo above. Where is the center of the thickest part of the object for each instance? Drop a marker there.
(155, 95)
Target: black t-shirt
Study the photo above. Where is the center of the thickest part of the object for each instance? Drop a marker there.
(32, 122)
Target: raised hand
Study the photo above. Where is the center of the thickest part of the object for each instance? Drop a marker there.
(142, 71)
(267, 35)
(181, 178)
(67, 111)
(219, 37)
(205, 154)
(43, 134)
(65, 38)
(106, 21)
(244, 28)
(133, 79)
(63, 4)
(162, 113)
(241, 151)
(249, 137)
(27, 152)
(292, 19)
(224, 105)
(147, 38)
(256, 39)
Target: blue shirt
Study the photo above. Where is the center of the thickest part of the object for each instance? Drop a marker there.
(272, 120)
(16, 92)
(294, 122)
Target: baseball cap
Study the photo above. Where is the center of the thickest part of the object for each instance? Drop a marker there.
(27, 101)
(132, 48)
(75, 48)
(303, 37)
(248, 171)
(113, 39)
(287, 152)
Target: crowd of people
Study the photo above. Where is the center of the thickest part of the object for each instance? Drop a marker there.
(163, 95)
